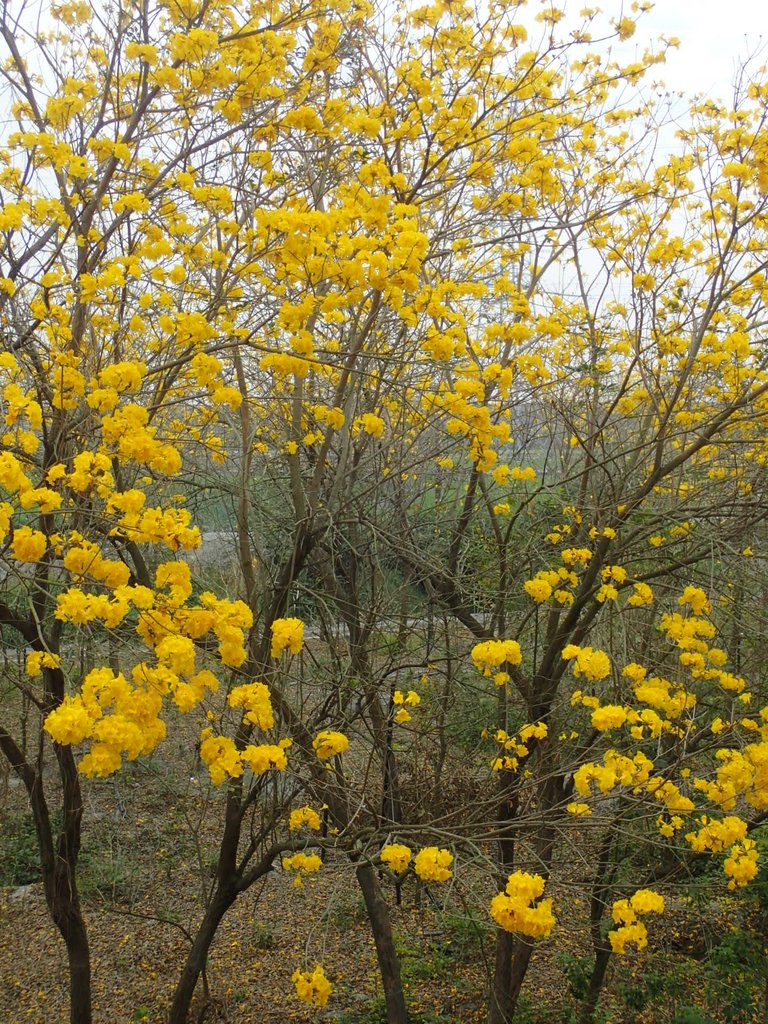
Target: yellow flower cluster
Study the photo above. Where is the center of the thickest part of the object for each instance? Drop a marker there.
(625, 914)
(328, 744)
(370, 424)
(221, 757)
(552, 582)
(492, 654)
(667, 793)
(613, 576)
(333, 418)
(80, 608)
(576, 556)
(152, 525)
(504, 473)
(287, 635)
(28, 545)
(224, 760)
(6, 513)
(396, 856)
(127, 434)
(616, 770)
(400, 699)
(473, 421)
(411, 698)
(691, 634)
(84, 559)
(303, 864)
(642, 596)
(12, 477)
(70, 723)
(176, 579)
(660, 694)
(609, 716)
(516, 746)
(227, 620)
(519, 909)
(119, 718)
(261, 757)
(741, 865)
(254, 699)
(715, 835)
(579, 809)
(614, 716)
(304, 816)
(433, 864)
(741, 774)
(593, 665)
(43, 498)
(688, 632)
(38, 660)
(695, 599)
(539, 589)
(312, 987)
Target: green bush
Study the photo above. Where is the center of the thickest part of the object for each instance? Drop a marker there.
(19, 857)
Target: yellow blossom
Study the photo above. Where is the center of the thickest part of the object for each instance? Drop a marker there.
(433, 865)
(312, 987)
(287, 635)
(328, 744)
(304, 816)
(396, 856)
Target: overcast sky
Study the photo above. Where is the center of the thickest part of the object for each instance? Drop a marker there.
(715, 36)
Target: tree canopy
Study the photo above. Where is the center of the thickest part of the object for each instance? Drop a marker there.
(414, 305)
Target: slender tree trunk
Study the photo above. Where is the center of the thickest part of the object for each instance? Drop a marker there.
(391, 804)
(69, 920)
(605, 873)
(602, 959)
(58, 863)
(520, 963)
(63, 896)
(500, 1008)
(63, 901)
(198, 955)
(513, 957)
(381, 926)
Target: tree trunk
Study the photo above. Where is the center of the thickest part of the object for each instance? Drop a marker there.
(604, 875)
(381, 926)
(198, 955)
(602, 959)
(63, 902)
(500, 1008)
(58, 863)
(61, 892)
(72, 927)
(513, 957)
(520, 962)
(391, 804)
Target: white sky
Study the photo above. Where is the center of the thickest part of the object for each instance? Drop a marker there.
(715, 36)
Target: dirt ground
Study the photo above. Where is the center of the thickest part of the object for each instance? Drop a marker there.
(143, 865)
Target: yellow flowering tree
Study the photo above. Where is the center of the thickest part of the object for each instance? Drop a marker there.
(414, 299)
(136, 156)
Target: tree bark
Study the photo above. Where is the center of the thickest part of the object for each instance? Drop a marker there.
(519, 969)
(602, 959)
(198, 955)
(58, 863)
(381, 926)
(69, 921)
(605, 873)
(500, 1008)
